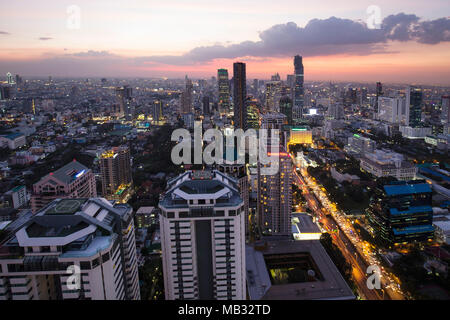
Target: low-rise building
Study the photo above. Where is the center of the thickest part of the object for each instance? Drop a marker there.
(293, 270)
(384, 163)
(12, 140)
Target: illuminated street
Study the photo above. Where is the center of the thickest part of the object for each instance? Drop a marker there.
(357, 252)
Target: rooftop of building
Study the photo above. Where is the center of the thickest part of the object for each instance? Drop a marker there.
(64, 221)
(303, 223)
(201, 185)
(145, 210)
(68, 173)
(407, 187)
(112, 153)
(436, 172)
(13, 135)
(386, 163)
(326, 283)
(15, 189)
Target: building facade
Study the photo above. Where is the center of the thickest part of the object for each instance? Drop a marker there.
(240, 96)
(72, 249)
(299, 90)
(73, 180)
(115, 168)
(392, 110)
(401, 212)
(274, 205)
(203, 237)
(224, 90)
(382, 163)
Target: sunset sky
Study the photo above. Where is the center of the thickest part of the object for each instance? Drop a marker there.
(149, 38)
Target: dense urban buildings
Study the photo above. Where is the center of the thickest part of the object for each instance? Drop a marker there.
(298, 87)
(203, 237)
(361, 179)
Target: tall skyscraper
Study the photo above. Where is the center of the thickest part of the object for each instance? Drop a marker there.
(445, 112)
(240, 95)
(253, 113)
(401, 212)
(115, 168)
(255, 86)
(286, 109)
(5, 93)
(203, 238)
(275, 191)
(186, 97)
(18, 79)
(124, 99)
(298, 86)
(157, 111)
(73, 180)
(224, 90)
(275, 196)
(273, 96)
(205, 102)
(378, 94)
(414, 106)
(90, 234)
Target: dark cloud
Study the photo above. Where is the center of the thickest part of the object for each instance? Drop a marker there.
(433, 32)
(4, 33)
(399, 27)
(320, 37)
(45, 38)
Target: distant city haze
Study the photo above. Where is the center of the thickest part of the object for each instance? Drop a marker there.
(138, 38)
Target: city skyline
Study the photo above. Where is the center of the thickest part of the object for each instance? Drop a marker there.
(240, 150)
(162, 40)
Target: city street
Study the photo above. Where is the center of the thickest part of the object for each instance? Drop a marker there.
(351, 247)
